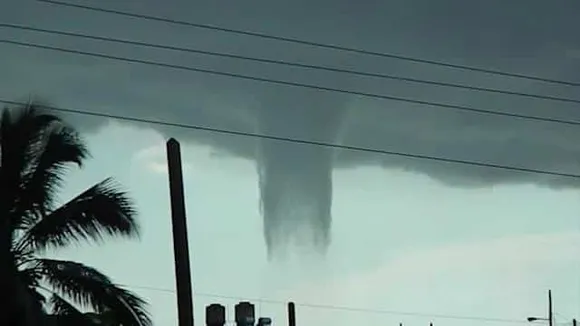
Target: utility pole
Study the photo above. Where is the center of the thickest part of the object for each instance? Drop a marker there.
(180, 243)
(292, 314)
(550, 310)
(550, 318)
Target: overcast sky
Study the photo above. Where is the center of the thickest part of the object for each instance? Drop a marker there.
(406, 235)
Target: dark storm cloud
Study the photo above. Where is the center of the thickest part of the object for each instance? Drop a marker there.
(532, 37)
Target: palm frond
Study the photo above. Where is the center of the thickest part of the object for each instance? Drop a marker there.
(88, 287)
(18, 137)
(29, 143)
(66, 314)
(39, 183)
(31, 275)
(18, 133)
(26, 302)
(59, 306)
(135, 309)
(100, 210)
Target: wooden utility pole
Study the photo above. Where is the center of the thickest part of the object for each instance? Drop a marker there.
(180, 243)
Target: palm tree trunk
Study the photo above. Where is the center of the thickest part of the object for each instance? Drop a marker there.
(18, 309)
(15, 311)
(7, 284)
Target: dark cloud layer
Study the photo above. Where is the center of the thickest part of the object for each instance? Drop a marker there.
(535, 37)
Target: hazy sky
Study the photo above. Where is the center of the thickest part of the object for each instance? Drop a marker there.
(401, 242)
(407, 235)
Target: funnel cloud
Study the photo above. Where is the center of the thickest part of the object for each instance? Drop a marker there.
(295, 180)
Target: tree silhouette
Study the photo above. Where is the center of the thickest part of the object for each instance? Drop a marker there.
(35, 150)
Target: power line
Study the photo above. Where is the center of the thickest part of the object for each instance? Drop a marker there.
(303, 141)
(335, 307)
(289, 63)
(311, 43)
(296, 84)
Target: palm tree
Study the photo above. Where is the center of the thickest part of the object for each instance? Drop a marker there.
(35, 149)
